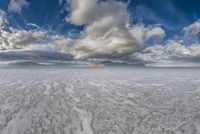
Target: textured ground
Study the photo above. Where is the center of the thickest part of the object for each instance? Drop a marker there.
(99, 101)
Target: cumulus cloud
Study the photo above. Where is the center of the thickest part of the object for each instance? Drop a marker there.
(193, 29)
(157, 33)
(142, 33)
(32, 47)
(107, 29)
(18, 39)
(107, 32)
(61, 44)
(3, 19)
(34, 40)
(172, 52)
(37, 38)
(16, 6)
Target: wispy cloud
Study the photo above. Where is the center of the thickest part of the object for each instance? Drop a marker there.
(192, 30)
(16, 6)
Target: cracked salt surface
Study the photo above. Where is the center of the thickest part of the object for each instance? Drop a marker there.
(106, 100)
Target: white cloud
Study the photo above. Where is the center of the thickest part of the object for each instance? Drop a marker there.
(3, 19)
(34, 40)
(61, 44)
(38, 38)
(156, 32)
(34, 26)
(107, 30)
(16, 39)
(16, 6)
(142, 33)
(193, 29)
(172, 51)
(81, 11)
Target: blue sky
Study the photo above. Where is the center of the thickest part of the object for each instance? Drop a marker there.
(157, 22)
(172, 15)
(45, 13)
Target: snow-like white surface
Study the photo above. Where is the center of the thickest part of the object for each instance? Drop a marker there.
(99, 101)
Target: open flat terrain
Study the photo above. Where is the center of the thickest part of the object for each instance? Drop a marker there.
(110, 100)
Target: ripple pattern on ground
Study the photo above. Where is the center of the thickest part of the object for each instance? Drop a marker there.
(99, 101)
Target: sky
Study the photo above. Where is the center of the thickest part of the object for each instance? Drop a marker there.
(163, 33)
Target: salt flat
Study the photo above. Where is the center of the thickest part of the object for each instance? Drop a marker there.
(110, 100)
